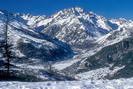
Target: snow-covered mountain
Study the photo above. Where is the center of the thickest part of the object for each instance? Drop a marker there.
(75, 24)
(71, 38)
(29, 44)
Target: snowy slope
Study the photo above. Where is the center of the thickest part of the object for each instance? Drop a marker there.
(106, 84)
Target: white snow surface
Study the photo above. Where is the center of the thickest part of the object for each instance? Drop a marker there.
(64, 64)
(90, 84)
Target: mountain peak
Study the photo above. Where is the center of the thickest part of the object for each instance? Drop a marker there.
(75, 11)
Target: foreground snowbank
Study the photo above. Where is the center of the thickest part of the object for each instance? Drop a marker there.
(106, 84)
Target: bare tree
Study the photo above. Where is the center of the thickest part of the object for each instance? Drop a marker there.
(7, 54)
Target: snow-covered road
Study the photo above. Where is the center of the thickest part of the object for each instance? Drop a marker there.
(106, 84)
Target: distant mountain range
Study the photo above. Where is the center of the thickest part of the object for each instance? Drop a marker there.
(75, 42)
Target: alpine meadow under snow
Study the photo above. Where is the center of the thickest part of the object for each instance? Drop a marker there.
(81, 48)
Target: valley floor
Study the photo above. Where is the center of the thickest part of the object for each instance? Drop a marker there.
(106, 84)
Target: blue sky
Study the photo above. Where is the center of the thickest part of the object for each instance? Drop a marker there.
(107, 8)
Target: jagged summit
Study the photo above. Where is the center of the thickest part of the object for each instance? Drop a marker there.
(75, 9)
(70, 11)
